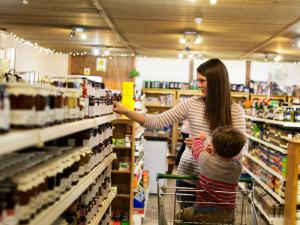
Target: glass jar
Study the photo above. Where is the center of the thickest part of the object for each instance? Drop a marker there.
(81, 108)
(59, 106)
(74, 81)
(4, 109)
(75, 168)
(58, 80)
(289, 115)
(72, 105)
(92, 105)
(297, 115)
(51, 182)
(51, 115)
(97, 107)
(10, 203)
(66, 95)
(22, 105)
(41, 95)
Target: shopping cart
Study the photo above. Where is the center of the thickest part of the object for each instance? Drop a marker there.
(170, 201)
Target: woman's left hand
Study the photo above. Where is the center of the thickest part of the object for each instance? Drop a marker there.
(189, 142)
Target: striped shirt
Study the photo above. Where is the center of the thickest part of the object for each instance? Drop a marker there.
(218, 180)
(193, 110)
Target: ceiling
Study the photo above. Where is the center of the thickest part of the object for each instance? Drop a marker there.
(230, 28)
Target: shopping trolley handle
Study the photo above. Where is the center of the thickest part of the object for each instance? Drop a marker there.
(187, 177)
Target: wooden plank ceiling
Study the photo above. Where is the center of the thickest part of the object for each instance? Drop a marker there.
(153, 28)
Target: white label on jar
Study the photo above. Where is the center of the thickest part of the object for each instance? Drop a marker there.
(81, 170)
(69, 184)
(297, 117)
(32, 205)
(4, 114)
(10, 217)
(22, 117)
(24, 212)
(71, 142)
(288, 116)
(91, 111)
(81, 114)
(75, 176)
(66, 113)
(84, 199)
(51, 196)
(52, 115)
(44, 198)
(86, 168)
(73, 114)
(40, 118)
(97, 139)
(63, 184)
(86, 107)
(86, 143)
(77, 110)
(39, 201)
(57, 191)
(59, 114)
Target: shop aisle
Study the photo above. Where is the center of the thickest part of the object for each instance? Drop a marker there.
(151, 217)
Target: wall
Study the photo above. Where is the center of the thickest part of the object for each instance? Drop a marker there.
(161, 70)
(31, 59)
(236, 70)
(260, 71)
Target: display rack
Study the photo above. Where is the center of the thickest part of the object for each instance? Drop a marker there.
(103, 209)
(48, 216)
(19, 139)
(138, 218)
(124, 179)
(240, 95)
(272, 97)
(292, 172)
(150, 91)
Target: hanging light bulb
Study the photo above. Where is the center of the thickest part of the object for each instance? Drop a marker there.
(197, 40)
(182, 40)
(180, 55)
(213, 2)
(83, 36)
(96, 51)
(191, 56)
(277, 58)
(106, 52)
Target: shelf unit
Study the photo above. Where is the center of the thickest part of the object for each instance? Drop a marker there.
(281, 123)
(103, 209)
(240, 95)
(138, 218)
(48, 216)
(272, 97)
(124, 179)
(151, 91)
(257, 179)
(19, 139)
(284, 151)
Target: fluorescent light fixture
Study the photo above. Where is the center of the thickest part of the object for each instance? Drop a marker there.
(96, 51)
(180, 55)
(277, 58)
(79, 29)
(83, 36)
(213, 2)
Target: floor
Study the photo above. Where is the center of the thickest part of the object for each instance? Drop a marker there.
(151, 217)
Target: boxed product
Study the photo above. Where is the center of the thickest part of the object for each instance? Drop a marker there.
(114, 188)
(120, 142)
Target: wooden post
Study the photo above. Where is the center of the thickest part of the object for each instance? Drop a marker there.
(191, 71)
(70, 65)
(248, 70)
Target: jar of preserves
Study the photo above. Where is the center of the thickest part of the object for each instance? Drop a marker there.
(22, 105)
(92, 106)
(58, 80)
(66, 95)
(59, 106)
(75, 167)
(72, 105)
(289, 115)
(4, 109)
(81, 108)
(297, 115)
(10, 203)
(51, 115)
(41, 95)
(74, 81)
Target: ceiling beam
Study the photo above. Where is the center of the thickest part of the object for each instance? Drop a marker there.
(110, 24)
(271, 38)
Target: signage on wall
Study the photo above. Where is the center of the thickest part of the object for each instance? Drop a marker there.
(87, 71)
(101, 64)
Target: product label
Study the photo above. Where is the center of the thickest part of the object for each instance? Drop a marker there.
(91, 111)
(297, 117)
(10, 217)
(40, 118)
(287, 116)
(51, 196)
(4, 114)
(69, 184)
(39, 201)
(66, 112)
(86, 107)
(73, 114)
(52, 115)
(81, 170)
(44, 198)
(57, 191)
(75, 176)
(86, 168)
(22, 117)
(63, 184)
(84, 199)
(24, 212)
(86, 143)
(32, 205)
(59, 114)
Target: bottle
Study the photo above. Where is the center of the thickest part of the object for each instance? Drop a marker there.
(251, 86)
(137, 102)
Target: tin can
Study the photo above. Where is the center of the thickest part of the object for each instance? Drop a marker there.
(164, 85)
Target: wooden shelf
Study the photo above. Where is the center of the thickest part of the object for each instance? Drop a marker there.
(117, 171)
(240, 95)
(272, 97)
(19, 139)
(159, 106)
(159, 91)
(103, 209)
(285, 124)
(189, 92)
(120, 147)
(123, 195)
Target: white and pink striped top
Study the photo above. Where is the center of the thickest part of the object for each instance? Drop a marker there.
(193, 111)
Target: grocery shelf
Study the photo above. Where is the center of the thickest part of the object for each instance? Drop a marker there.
(49, 215)
(19, 139)
(285, 124)
(123, 195)
(262, 164)
(284, 151)
(138, 153)
(158, 91)
(139, 134)
(121, 147)
(159, 106)
(103, 209)
(240, 95)
(278, 198)
(141, 175)
(147, 199)
(271, 220)
(136, 169)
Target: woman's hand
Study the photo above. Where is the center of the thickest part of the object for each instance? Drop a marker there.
(189, 142)
(202, 135)
(119, 109)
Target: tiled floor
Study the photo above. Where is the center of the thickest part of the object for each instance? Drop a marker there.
(151, 217)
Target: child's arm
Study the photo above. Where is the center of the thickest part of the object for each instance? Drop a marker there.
(198, 145)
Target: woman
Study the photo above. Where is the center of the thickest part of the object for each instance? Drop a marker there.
(212, 110)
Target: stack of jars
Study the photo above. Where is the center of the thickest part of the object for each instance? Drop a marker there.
(34, 180)
(85, 208)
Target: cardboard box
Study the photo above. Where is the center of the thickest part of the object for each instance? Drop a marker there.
(120, 142)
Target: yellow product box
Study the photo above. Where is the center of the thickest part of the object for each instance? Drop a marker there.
(129, 104)
(127, 90)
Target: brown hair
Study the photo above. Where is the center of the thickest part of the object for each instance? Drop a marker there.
(218, 97)
(228, 141)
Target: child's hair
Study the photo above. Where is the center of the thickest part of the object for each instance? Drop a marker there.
(228, 141)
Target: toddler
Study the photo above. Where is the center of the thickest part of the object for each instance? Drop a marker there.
(219, 171)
